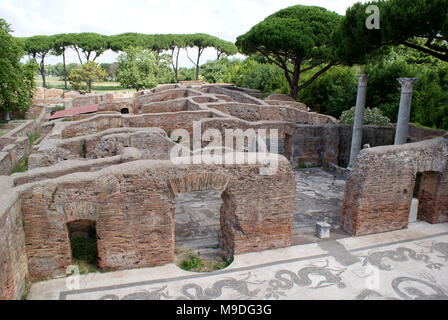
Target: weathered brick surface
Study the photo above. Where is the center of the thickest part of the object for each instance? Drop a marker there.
(152, 142)
(13, 261)
(379, 190)
(133, 206)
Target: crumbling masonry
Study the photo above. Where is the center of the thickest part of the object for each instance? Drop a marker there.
(113, 168)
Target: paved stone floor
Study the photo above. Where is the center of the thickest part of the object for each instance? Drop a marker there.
(319, 196)
(407, 264)
(197, 220)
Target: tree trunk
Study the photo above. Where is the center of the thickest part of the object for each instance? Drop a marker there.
(294, 90)
(200, 50)
(42, 72)
(7, 116)
(294, 80)
(65, 70)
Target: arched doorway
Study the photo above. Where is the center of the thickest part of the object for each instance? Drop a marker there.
(425, 191)
(83, 244)
(198, 224)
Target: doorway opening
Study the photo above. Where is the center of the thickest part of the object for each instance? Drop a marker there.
(426, 184)
(198, 232)
(83, 243)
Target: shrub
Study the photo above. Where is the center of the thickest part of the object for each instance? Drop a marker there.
(85, 249)
(20, 167)
(371, 117)
(56, 109)
(191, 262)
(332, 92)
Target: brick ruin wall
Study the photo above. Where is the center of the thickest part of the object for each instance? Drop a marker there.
(380, 189)
(133, 203)
(152, 143)
(133, 206)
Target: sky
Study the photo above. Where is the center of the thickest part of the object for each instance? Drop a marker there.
(226, 19)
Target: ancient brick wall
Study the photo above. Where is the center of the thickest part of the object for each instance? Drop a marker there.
(13, 261)
(167, 121)
(380, 188)
(152, 143)
(133, 206)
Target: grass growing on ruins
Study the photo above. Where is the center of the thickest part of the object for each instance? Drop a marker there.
(84, 249)
(98, 87)
(26, 290)
(33, 137)
(20, 167)
(193, 263)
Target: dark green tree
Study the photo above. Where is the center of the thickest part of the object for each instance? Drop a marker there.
(60, 44)
(201, 42)
(38, 47)
(296, 39)
(91, 45)
(225, 49)
(16, 79)
(421, 25)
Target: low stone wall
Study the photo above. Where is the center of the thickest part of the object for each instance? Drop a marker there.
(380, 188)
(13, 260)
(166, 121)
(235, 95)
(133, 206)
(15, 145)
(162, 96)
(91, 99)
(418, 134)
(152, 143)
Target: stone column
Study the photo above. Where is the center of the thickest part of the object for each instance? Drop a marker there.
(359, 118)
(404, 115)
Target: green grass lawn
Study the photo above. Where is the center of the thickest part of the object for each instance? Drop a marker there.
(99, 87)
(425, 127)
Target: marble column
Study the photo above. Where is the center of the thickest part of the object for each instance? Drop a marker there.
(359, 118)
(404, 114)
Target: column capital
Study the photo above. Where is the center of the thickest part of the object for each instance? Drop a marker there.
(407, 84)
(363, 79)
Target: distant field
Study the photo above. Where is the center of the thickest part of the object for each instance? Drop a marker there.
(54, 82)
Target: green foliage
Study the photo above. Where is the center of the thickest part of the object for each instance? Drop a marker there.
(85, 249)
(402, 21)
(223, 265)
(92, 45)
(33, 137)
(56, 109)
(291, 37)
(332, 92)
(84, 76)
(191, 262)
(20, 167)
(16, 79)
(430, 98)
(265, 77)
(371, 117)
(142, 69)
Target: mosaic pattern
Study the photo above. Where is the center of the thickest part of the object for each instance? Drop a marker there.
(414, 270)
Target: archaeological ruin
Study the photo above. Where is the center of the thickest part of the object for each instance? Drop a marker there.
(110, 169)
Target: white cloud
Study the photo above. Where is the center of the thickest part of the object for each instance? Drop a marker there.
(226, 19)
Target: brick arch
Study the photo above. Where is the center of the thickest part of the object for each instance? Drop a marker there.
(81, 210)
(209, 181)
(379, 190)
(196, 182)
